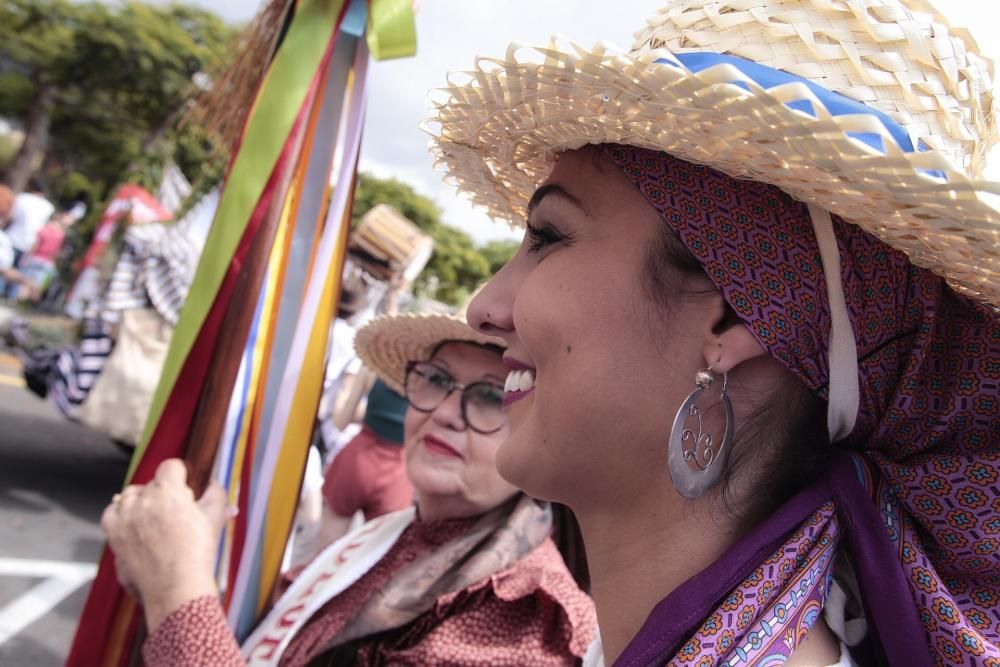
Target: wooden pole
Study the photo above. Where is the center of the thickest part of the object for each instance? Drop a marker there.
(213, 405)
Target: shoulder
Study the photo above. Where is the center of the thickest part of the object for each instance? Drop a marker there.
(343, 332)
(541, 570)
(357, 463)
(539, 592)
(32, 202)
(530, 615)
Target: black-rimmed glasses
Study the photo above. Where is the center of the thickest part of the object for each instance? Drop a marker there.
(428, 385)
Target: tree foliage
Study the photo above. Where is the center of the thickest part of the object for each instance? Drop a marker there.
(457, 266)
(372, 191)
(498, 253)
(114, 80)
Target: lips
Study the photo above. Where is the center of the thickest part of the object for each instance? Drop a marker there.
(440, 447)
(516, 364)
(510, 398)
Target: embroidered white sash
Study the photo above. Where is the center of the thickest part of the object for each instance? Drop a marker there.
(334, 570)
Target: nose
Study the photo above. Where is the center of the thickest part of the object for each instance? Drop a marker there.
(491, 311)
(449, 413)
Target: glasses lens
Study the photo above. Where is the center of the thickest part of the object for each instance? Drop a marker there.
(426, 386)
(484, 406)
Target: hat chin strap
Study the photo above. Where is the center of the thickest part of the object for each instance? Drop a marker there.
(842, 410)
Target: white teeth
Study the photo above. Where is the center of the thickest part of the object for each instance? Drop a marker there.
(522, 380)
(527, 380)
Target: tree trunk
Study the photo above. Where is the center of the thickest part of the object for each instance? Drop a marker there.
(36, 136)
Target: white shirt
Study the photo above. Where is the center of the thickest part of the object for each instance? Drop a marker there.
(28, 215)
(343, 360)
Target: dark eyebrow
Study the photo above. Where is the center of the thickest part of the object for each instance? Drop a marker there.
(440, 364)
(555, 190)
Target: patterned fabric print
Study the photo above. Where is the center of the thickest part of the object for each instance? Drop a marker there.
(763, 619)
(195, 634)
(157, 266)
(531, 614)
(77, 368)
(419, 538)
(929, 360)
(961, 612)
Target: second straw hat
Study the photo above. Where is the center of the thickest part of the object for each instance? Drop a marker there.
(389, 342)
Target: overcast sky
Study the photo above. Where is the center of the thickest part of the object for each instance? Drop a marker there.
(450, 33)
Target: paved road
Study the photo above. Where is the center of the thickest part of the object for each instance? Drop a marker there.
(55, 478)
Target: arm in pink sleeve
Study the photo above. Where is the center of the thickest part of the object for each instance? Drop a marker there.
(192, 636)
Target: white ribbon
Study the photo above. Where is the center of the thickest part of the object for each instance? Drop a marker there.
(844, 388)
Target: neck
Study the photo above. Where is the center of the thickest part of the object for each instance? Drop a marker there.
(442, 508)
(640, 554)
(433, 509)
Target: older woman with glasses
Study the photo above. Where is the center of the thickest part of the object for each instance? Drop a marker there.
(469, 575)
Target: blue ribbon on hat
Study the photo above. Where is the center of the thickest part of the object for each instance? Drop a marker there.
(835, 103)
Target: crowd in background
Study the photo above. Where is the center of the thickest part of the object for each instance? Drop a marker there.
(32, 235)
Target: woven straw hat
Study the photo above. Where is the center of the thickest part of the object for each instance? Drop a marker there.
(876, 110)
(389, 342)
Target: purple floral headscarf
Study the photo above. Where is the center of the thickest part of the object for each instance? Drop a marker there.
(927, 427)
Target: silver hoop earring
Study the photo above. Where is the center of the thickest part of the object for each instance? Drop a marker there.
(696, 464)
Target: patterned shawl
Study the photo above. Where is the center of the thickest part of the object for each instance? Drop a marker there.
(928, 431)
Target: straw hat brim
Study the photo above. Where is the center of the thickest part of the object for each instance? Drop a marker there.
(389, 342)
(498, 131)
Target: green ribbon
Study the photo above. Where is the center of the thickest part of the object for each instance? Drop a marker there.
(278, 104)
(392, 29)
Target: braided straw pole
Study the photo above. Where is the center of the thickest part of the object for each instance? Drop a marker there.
(899, 57)
(222, 109)
(499, 125)
(389, 342)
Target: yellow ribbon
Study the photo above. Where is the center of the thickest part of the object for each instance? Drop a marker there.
(392, 29)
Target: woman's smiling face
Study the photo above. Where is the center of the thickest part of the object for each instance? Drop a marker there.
(609, 367)
(450, 465)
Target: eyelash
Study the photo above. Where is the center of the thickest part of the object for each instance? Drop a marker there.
(542, 236)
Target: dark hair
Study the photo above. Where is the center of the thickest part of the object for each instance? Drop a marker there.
(785, 445)
(569, 540)
(354, 295)
(36, 184)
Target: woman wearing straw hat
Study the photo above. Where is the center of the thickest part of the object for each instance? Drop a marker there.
(469, 576)
(751, 330)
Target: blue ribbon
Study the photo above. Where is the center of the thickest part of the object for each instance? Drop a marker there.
(355, 18)
(835, 103)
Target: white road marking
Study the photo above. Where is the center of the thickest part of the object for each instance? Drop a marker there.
(11, 381)
(60, 579)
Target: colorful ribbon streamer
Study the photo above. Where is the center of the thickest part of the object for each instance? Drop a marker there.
(307, 118)
(392, 30)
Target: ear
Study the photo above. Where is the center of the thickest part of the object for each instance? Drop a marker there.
(731, 348)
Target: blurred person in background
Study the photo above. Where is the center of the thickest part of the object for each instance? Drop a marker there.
(341, 411)
(367, 478)
(6, 205)
(6, 247)
(369, 475)
(39, 266)
(342, 365)
(29, 213)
